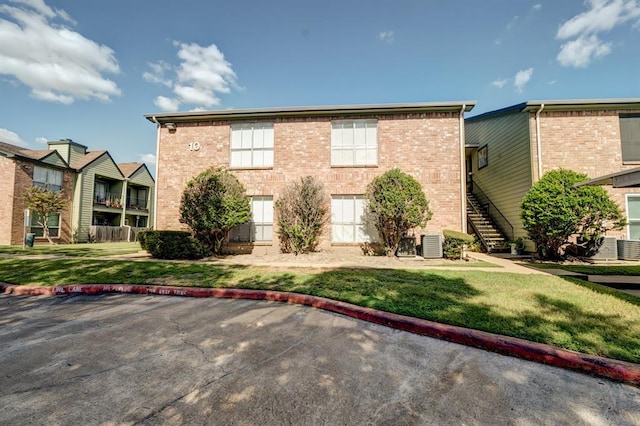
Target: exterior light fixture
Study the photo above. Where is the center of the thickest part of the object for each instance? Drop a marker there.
(170, 126)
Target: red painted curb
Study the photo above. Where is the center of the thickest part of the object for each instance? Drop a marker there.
(621, 371)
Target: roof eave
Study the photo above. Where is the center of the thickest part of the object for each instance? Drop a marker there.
(583, 104)
(311, 111)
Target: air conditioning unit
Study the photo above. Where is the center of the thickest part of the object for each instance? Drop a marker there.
(407, 247)
(628, 249)
(432, 246)
(608, 250)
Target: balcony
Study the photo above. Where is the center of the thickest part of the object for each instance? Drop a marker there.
(137, 204)
(108, 200)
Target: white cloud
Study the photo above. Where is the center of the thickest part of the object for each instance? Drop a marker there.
(580, 52)
(602, 16)
(512, 23)
(537, 6)
(57, 63)
(148, 158)
(499, 83)
(201, 76)
(42, 141)
(386, 36)
(522, 78)
(157, 73)
(8, 136)
(167, 104)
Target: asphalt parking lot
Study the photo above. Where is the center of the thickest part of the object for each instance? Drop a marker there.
(127, 359)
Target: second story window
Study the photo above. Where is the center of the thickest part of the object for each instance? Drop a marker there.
(630, 136)
(252, 145)
(47, 178)
(354, 143)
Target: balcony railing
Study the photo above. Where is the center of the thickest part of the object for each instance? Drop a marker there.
(137, 203)
(108, 200)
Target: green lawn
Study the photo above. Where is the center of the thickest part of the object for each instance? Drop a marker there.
(76, 250)
(563, 312)
(593, 269)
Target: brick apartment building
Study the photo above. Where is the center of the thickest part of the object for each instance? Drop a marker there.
(20, 169)
(90, 180)
(597, 137)
(344, 147)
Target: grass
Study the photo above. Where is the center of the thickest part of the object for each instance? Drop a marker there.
(74, 250)
(566, 313)
(630, 270)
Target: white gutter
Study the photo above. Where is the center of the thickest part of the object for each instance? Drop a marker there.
(463, 175)
(539, 142)
(155, 189)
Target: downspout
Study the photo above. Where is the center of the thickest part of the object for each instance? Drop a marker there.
(123, 200)
(539, 142)
(463, 177)
(155, 186)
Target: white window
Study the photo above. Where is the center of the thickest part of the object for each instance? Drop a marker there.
(53, 222)
(633, 216)
(261, 226)
(47, 178)
(252, 145)
(348, 223)
(354, 143)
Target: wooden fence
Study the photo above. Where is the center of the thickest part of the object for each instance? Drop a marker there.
(111, 234)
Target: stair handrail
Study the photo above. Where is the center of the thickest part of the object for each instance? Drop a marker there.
(484, 242)
(492, 208)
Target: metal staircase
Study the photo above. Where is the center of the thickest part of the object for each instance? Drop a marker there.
(479, 220)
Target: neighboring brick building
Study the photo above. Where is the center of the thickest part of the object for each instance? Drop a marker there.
(521, 143)
(20, 169)
(344, 147)
(100, 192)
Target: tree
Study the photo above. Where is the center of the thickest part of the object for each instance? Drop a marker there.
(44, 202)
(555, 209)
(212, 203)
(302, 212)
(396, 204)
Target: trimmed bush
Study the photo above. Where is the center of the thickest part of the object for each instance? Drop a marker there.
(302, 212)
(396, 204)
(555, 210)
(172, 245)
(213, 203)
(142, 239)
(453, 242)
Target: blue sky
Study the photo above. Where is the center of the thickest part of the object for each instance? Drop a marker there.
(89, 70)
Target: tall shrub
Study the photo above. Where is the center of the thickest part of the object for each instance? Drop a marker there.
(554, 210)
(396, 204)
(212, 203)
(302, 212)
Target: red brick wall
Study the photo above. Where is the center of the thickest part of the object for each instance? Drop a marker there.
(423, 145)
(7, 176)
(23, 179)
(586, 142)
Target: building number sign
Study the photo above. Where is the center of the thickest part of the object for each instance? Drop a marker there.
(194, 146)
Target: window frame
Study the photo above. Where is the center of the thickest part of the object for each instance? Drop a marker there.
(347, 143)
(251, 147)
(55, 187)
(626, 146)
(254, 227)
(34, 225)
(358, 226)
(629, 219)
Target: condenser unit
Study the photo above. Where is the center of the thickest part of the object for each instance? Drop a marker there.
(628, 249)
(608, 250)
(432, 246)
